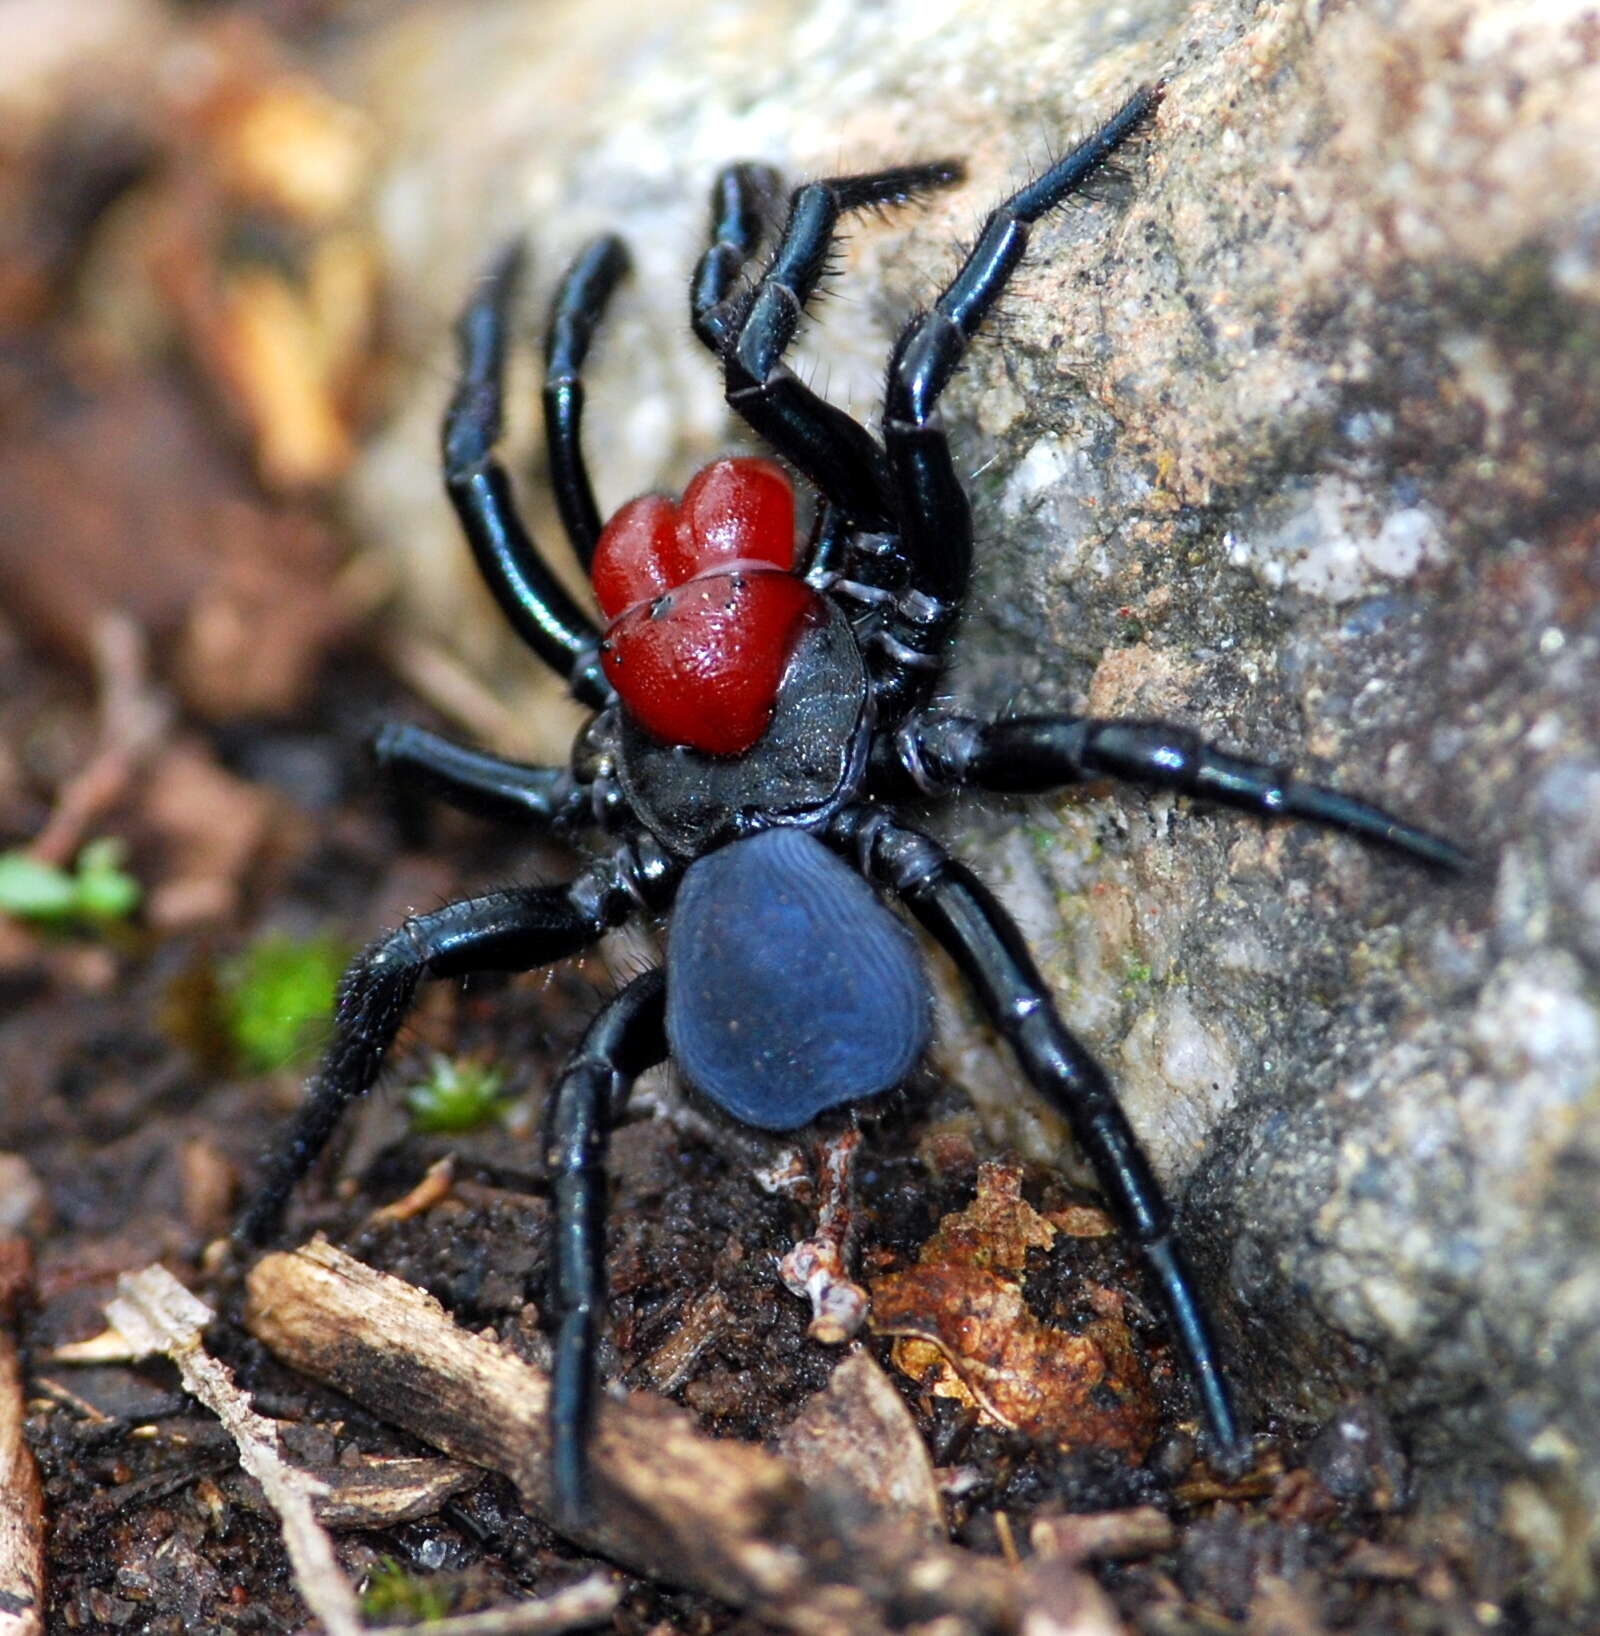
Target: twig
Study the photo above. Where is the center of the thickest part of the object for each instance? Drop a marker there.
(132, 719)
(590, 1602)
(815, 1267)
(155, 1313)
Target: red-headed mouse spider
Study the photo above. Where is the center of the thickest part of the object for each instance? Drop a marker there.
(762, 712)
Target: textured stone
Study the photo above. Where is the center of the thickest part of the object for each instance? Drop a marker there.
(1292, 437)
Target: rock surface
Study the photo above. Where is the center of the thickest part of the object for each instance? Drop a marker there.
(1292, 437)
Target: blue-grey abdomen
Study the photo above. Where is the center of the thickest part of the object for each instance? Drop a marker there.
(790, 987)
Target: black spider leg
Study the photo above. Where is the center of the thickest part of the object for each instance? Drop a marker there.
(575, 311)
(627, 1036)
(742, 196)
(830, 556)
(532, 599)
(512, 930)
(935, 519)
(965, 919)
(1026, 755)
(488, 786)
(841, 457)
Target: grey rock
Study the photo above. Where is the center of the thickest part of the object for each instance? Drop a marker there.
(1291, 436)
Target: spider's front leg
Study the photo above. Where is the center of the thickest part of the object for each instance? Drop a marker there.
(966, 920)
(1028, 755)
(934, 518)
(529, 595)
(575, 312)
(627, 1036)
(837, 453)
(513, 930)
(488, 786)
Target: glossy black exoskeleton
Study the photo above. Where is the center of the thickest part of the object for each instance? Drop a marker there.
(758, 723)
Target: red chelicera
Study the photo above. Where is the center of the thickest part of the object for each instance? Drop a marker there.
(704, 605)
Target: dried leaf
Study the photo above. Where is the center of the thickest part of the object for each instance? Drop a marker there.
(961, 1319)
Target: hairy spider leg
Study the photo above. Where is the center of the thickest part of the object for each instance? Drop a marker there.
(965, 919)
(742, 196)
(512, 930)
(839, 455)
(532, 599)
(627, 1036)
(488, 786)
(1028, 755)
(742, 200)
(933, 515)
(575, 311)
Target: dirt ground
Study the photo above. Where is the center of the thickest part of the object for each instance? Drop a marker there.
(193, 655)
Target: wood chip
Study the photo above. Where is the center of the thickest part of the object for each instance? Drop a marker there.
(379, 1493)
(437, 1181)
(1105, 1536)
(858, 1432)
(706, 1320)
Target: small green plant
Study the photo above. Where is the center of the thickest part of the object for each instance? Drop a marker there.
(96, 891)
(456, 1094)
(393, 1594)
(277, 996)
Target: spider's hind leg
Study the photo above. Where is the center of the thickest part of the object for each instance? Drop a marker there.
(961, 914)
(627, 1036)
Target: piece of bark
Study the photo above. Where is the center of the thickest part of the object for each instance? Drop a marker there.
(858, 1432)
(378, 1493)
(717, 1516)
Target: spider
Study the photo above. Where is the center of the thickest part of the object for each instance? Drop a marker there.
(761, 710)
